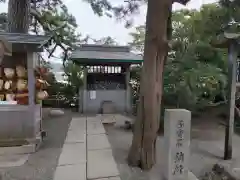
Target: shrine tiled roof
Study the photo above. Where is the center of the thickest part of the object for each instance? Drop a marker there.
(20, 38)
(103, 53)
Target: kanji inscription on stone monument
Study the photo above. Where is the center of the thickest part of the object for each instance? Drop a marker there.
(177, 125)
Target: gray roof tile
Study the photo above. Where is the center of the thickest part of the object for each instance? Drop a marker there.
(24, 38)
(103, 52)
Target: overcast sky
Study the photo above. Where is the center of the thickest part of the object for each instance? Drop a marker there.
(98, 27)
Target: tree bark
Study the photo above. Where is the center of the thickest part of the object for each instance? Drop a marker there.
(18, 16)
(18, 22)
(143, 150)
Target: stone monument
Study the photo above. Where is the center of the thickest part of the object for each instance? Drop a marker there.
(177, 127)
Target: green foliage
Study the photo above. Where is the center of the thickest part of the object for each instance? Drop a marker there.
(195, 72)
(105, 41)
(73, 74)
(138, 39)
(51, 17)
(3, 21)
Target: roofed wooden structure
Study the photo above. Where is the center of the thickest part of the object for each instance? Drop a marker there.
(21, 124)
(25, 42)
(105, 54)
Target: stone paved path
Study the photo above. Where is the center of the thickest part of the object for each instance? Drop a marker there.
(86, 153)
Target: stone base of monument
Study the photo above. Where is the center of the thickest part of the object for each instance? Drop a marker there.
(191, 176)
(19, 147)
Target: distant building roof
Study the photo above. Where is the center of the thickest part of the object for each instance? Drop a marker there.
(105, 54)
(21, 38)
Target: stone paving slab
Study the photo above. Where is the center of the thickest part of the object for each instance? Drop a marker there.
(78, 124)
(101, 164)
(97, 141)
(110, 178)
(94, 126)
(191, 176)
(93, 118)
(71, 172)
(74, 153)
(75, 136)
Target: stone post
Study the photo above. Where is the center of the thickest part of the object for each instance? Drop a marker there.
(177, 127)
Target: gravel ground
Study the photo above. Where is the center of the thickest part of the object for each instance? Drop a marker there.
(41, 165)
(206, 150)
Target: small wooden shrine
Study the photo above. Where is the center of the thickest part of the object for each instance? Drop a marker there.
(106, 86)
(22, 87)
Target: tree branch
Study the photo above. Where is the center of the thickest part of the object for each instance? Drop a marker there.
(54, 37)
(183, 2)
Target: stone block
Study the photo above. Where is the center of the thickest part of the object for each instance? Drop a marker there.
(25, 149)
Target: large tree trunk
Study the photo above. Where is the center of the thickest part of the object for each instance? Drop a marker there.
(143, 150)
(18, 16)
(18, 22)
